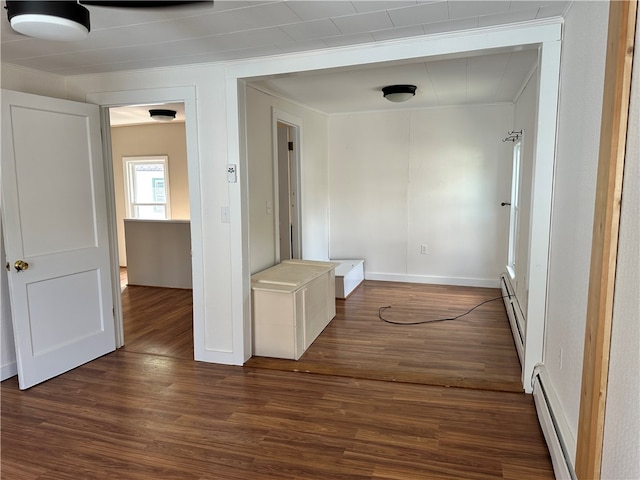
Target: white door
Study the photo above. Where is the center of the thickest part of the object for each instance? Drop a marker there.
(55, 221)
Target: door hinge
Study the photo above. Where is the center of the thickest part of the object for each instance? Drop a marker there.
(291, 146)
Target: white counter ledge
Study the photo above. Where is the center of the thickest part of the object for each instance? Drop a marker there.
(158, 252)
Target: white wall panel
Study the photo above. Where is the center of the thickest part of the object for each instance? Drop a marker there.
(314, 179)
(7, 346)
(435, 177)
(580, 107)
(369, 171)
(525, 115)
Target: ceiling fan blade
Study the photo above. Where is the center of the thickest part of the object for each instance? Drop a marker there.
(141, 3)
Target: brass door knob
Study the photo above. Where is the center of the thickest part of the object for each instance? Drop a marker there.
(20, 265)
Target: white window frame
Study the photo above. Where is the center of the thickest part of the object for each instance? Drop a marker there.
(127, 162)
(514, 216)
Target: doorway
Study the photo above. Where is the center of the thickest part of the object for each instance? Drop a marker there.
(287, 196)
(152, 210)
(186, 96)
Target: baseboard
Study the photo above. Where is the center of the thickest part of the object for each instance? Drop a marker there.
(560, 440)
(514, 314)
(8, 371)
(459, 281)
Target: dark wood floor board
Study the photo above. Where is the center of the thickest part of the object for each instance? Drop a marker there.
(474, 351)
(259, 424)
(149, 411)
(157, 321)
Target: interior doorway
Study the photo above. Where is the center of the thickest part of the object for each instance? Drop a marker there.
(152, 215)
(287, 186)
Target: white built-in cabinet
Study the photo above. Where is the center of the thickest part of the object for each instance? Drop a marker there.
(292, 303)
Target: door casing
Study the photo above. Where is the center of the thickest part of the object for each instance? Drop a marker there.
(295, 127)
(187, 95)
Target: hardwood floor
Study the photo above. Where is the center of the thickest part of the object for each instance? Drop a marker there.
(130, 416)
(148, 411)
(475, 351)
(157, 321)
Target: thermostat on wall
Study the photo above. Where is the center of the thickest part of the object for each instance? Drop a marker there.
(232, 176)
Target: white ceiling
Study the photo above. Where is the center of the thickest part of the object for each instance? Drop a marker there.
(124, 39)
(487, 78)
(129, 39)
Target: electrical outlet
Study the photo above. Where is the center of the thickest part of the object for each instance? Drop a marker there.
(423, 249)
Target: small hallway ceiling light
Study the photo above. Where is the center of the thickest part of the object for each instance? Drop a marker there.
(62, 21)
(399, 93)
(162, 115)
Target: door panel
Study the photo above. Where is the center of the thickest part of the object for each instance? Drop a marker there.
(54, 212)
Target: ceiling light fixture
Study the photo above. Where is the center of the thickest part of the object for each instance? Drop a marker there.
(162, 115)
(68, 20)
(62, 21)
(399, 93)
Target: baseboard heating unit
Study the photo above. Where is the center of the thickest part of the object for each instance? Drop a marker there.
(559, 438)
(516, 317)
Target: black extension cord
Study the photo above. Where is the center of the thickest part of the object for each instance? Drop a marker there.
(420, 322)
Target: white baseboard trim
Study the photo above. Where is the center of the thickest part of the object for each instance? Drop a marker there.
(559, 437)
(514, 314)
(459, 281)
(8, 371)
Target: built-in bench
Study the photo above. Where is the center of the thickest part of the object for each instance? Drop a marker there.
(349, 274)
(292, 303)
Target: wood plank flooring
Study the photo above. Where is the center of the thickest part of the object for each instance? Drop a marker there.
(148, 411)
(475, 351)
(132, 417)
(157, 321)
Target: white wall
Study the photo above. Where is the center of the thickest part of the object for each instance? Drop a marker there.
(580, 107)
(213, 327)
(7, 346)
(314, 179)
(525, 119)
(32, 81)
(222, 319)
(432, 176)
(621, 453)
(152, 139)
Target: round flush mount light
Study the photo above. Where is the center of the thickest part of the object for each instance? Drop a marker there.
(399, 93)
(61, 21)
(161, 115)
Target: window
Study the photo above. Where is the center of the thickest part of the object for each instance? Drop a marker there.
(147, 187)
(515, 210)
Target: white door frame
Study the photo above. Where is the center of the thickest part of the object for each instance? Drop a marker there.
(546, 34)
(187, 95)
(279, 116)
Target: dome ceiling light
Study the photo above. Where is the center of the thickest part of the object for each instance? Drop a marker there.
(61, 21)
(162, 115)
(68, 20)
(399, 93)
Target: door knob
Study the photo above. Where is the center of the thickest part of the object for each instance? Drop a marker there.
(21, 265)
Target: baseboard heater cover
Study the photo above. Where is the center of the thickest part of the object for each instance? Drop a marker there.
(556, 432)
(514, 313)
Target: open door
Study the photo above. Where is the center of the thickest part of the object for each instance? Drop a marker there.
(55, 226)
